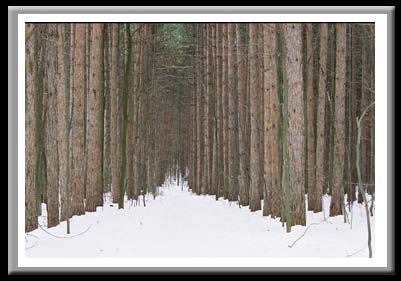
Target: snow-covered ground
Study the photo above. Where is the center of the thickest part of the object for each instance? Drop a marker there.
(181, 224)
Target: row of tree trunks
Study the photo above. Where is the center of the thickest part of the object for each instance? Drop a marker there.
(241, 111)
(280, 125)
(75, 96)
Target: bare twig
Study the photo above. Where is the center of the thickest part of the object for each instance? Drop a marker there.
(34, 244)
(358, 168)
(293, 243)
(360, 250)
(62, 237)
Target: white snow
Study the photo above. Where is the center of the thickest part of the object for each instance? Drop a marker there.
(179, 223)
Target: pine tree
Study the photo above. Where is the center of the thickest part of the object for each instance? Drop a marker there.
(94, 180)
(77, 164)
(320, 132)
(254, 196)
(337, 198)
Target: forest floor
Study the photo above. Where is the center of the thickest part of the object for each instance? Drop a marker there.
(179, 223)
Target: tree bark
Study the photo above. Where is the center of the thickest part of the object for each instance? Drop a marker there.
(242, 104)
(220, 127)
(267, 171)
(233, 145)
(293, 40)
(272, 116)
(210, 114)
(200, 113)
(51, 130)
(320, 132)
(94, 179)
(77, 165)
(339, 140)
(114, 113)
(31, 220)
(254, 196)
(62, 119)
(310, 128)
(225, 110)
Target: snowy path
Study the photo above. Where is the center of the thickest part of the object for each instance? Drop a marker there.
(180, 224)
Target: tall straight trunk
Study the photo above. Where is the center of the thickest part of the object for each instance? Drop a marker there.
(225, 110)
(205, 116)
(331, 63)
(137, 93)
(354, 104)
(210, 114)
(233, 145)
(107, 113)
(143, 179)
(365, 101)
(63, 119)
(272, 116)
(275, 121)
(31, 220)
(284, 128)
(320, 132)
(267, 172)
(114, 112)
(95, 99)
(78, 120)
(310, 127)
(153, 89)
(348, 132)
(372, 113)
(339, 141)
(39, 109)
(254, 196)
(200, 112)
(51, 130)
(86, 94)
(70, 115)
(248, 106)
(215, 168)
(242, 104)
(194, 107)
(261, 67)
(296, 160)
(219, 94)
(130, 128)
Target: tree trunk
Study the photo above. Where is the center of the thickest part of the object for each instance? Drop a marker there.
(95, 99)
(210, 114)
(272, 116)
(233, 145)
(254, 196)
(320, 132)
(242, 103)
(200, 114)
(293, 40)
(225, 110)
(365, 101)
(107, 113)
(51, 130)
(339, 141)
(77, 165)
(310, 128)
(62, 118)
(114, 113)
(267, 168)
(31, 219)
(219, 94)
